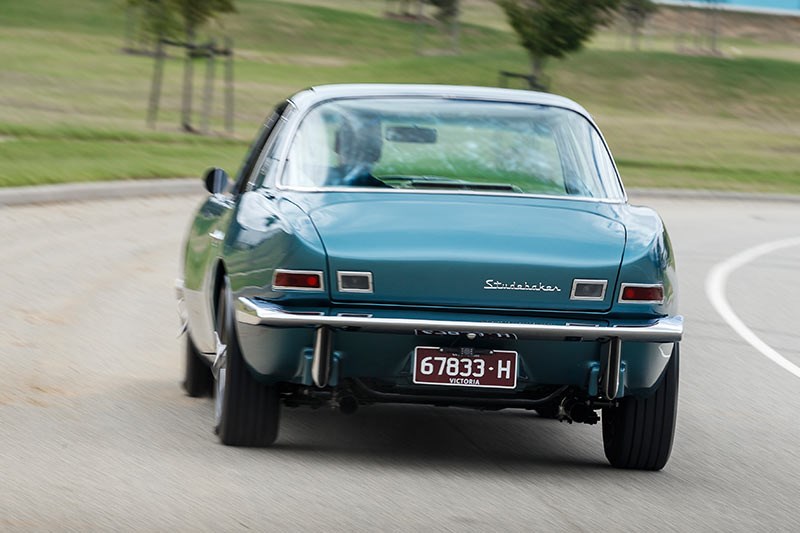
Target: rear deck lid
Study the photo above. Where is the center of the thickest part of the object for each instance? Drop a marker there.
(478, 252)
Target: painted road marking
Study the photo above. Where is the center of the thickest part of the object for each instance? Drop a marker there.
(715, 289)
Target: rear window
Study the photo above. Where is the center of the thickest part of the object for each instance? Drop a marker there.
(438, 144)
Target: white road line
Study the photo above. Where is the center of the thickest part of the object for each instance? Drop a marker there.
(715, 289)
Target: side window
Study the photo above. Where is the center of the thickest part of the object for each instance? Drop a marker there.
(605, 166)
(268, 164)
(243, 177)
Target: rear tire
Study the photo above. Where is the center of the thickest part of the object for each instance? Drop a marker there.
(638, 433)
(249, 411)
(198, 381)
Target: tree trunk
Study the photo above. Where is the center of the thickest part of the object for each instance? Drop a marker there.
(155, 85)
(419, 35)
(188, 75)
(208, 95)
(455, 34)
(229, 86)
(537, 71)
(130, 27)
(636, 36)
(714, 30)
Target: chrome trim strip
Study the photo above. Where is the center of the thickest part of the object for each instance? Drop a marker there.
(183, 314)
(603, 282)
(644, 285)
(305, 289)
(668, 329)
(179, 286)
(459, 192)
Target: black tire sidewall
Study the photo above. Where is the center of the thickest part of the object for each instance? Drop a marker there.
(250, 410)
(639, 432)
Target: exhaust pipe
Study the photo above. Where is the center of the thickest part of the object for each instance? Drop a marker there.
(610, 363)
(321, 360)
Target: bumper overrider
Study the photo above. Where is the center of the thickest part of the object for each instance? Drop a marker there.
(662, 330)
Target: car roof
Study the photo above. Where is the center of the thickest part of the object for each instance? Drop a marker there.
(310, 97)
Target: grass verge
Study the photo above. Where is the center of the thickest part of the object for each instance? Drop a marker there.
(72, 106)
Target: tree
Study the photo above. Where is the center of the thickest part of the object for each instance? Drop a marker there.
(194, 14)
(166, 18)
(163, 17)
(636, 12)
(713, 10)
(406, 5)
(447, 12)
(446, 15)
(153, 20)
(554, 28)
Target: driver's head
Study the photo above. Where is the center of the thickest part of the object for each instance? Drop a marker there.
(359, 142)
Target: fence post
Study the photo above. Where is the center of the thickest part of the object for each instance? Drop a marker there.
(229, 85)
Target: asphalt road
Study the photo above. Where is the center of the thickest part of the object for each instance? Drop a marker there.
(96, 434)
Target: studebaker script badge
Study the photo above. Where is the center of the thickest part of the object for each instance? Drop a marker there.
(494, 285)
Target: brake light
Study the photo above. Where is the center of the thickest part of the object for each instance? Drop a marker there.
(299, 280)
(640, 293)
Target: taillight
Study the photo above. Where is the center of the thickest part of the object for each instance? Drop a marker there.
(641, 293)
(297, 280)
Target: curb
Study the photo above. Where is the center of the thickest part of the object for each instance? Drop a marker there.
(708, 194)
(81, 192)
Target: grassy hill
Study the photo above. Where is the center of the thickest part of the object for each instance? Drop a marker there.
(72, 106)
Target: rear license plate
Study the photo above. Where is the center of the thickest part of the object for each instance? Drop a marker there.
(465, 367)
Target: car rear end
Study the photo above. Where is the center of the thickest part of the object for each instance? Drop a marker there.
(474, 312)
(467, 252)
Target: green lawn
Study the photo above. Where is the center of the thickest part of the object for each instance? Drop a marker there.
(72, 106)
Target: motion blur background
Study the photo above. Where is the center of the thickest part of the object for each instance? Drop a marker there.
(706, 97)
(97, 434)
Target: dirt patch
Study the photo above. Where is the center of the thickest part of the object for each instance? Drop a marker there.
(672, 21)
(299, 60)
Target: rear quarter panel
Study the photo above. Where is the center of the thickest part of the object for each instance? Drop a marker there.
(270, 232)
(648, 259)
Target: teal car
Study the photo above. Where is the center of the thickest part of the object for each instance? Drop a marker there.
(440, 245)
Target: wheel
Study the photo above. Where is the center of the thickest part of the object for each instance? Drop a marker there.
(247, 412)
(638, 432)
(198, 380)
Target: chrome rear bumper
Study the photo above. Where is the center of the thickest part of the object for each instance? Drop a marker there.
(668, 329)
(611, 337)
